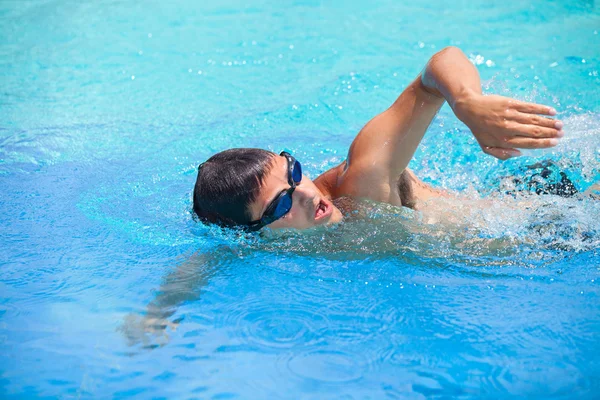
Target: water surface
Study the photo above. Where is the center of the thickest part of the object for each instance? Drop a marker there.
(107, 108)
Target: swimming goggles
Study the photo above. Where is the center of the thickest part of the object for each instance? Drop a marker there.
(283, 203)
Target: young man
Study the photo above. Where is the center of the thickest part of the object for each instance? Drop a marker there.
(253, 188)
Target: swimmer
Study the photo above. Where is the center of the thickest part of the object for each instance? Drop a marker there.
(253, 188)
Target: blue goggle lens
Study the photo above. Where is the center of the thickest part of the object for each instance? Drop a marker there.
(297, 172)
(283, 206)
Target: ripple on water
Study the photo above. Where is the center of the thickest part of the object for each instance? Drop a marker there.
(323, 365)
(273, 326)
(362, 321)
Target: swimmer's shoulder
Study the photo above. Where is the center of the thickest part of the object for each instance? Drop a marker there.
(328, 181)
(409, 190)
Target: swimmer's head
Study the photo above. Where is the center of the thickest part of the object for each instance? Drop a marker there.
(251, 188)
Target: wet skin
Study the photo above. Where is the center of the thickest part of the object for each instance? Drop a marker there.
(382, 150)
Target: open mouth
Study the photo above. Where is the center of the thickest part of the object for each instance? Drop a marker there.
(323, 210)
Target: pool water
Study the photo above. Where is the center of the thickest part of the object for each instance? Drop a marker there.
(108, 288)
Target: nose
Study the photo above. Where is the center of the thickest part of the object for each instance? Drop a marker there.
(303, 195)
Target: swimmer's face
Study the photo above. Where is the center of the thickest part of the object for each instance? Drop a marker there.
(309, 206)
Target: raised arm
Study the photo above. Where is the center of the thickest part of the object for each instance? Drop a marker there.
(384, 147)
(500, 124)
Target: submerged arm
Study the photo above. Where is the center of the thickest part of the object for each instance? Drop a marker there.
(181, 285)
(386, 144)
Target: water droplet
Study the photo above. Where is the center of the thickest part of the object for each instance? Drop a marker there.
(291, 47)
(554, 64)
(190, 70)
(140, 52)
(132, 77)
(421, 45)
(199, 72)
(149, 35)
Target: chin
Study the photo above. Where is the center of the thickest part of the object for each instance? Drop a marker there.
(335, 218)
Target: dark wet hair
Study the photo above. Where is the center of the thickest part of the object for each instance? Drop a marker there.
(227, 183)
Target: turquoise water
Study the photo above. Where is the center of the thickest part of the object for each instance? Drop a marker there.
(107, 108)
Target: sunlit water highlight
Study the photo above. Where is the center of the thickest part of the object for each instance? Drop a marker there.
(108, 288)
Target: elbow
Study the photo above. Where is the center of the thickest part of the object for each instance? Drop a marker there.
(437, 62)
(449, 51)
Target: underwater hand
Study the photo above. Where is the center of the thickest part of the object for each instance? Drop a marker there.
(502, 125)
(149, 331)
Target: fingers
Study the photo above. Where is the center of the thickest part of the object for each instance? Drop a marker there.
(531, 143)
(534, 131)
(537, 120)
(500, 153)
(531, 108)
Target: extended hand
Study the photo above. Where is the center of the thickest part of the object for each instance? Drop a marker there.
(149, 331)
(501, 124)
